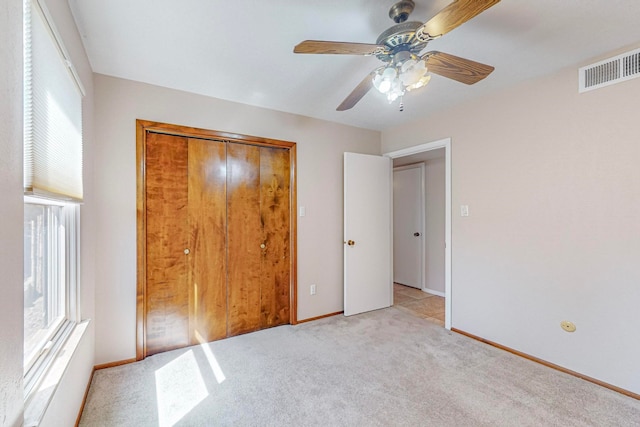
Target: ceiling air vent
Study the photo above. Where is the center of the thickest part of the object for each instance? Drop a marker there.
(610, 71)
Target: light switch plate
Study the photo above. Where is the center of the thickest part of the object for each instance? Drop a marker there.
(464, 210)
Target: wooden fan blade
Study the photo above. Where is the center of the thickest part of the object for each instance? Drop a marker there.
(361, 90)
(456, 68)
(454, 15)
(338, 48)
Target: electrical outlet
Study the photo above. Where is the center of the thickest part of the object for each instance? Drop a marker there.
(312, 289)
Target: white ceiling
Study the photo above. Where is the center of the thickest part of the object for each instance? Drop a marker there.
(242, 50)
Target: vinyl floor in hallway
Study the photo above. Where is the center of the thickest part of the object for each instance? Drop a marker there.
(419, 303)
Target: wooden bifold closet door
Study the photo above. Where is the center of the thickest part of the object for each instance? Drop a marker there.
(217, 244)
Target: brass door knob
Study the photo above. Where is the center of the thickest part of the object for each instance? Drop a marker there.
(351, 243)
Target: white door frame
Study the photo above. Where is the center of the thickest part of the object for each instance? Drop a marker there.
(423, 248)
(446, 144)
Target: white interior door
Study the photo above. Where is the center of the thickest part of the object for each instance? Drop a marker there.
(408, 234)
(368, 283)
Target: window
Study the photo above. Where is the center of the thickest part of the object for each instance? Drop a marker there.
(44, 295)
(50, 282)
(53, 193)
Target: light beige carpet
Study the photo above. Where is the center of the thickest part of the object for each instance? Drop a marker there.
(384, 368)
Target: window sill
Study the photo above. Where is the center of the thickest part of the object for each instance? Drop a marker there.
(42, 396)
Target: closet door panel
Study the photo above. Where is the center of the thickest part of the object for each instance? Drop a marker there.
(208, 233)
(244, 237)
(167, 303)
(275, 208)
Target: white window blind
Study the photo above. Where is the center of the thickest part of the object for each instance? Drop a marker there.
(53, 112)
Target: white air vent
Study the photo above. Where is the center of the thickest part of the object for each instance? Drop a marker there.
(610, 71)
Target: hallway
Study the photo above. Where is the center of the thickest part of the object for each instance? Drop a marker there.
(419, 303)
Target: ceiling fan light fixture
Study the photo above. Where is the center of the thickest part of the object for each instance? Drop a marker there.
(389, 73)
(404, 73)
(408, 65)
(384, 79)
(397, 91)
(420, 83)
(412, 71)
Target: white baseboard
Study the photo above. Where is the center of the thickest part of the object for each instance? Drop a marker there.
(432, 292)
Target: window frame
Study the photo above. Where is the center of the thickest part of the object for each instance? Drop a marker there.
(47, 350)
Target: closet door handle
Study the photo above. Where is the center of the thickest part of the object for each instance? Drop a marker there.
(262, 246)
(416, 234)
(187, 251)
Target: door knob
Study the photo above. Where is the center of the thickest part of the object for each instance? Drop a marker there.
(351, 243)
(262, 246)
(186, 251)
(416, 234)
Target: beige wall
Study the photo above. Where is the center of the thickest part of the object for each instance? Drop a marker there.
(11, 213)
(320, 146)
(552, 181)
(434, 223)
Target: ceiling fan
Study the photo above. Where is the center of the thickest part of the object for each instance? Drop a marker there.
(399, 47)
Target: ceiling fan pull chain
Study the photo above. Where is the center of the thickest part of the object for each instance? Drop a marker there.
(401, 105)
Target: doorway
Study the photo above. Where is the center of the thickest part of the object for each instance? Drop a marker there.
(437, 220)
(408, 223)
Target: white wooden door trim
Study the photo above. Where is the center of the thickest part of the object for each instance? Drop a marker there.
(423, 248)
(446, 144)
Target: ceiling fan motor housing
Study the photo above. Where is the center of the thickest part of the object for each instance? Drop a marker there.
(400, 37)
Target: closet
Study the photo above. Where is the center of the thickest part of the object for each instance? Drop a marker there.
(215, 235)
